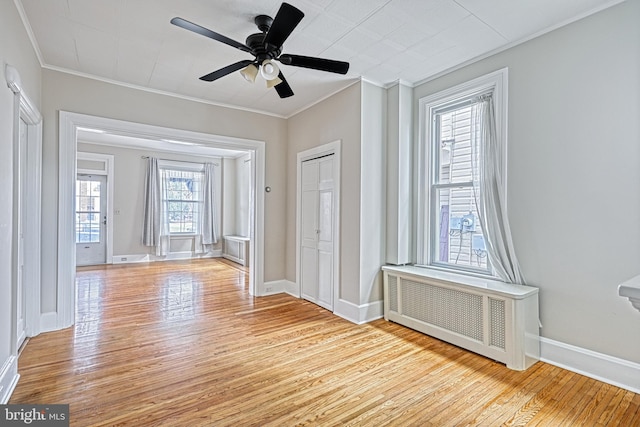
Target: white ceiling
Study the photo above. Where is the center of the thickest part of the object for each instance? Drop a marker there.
(132, 41)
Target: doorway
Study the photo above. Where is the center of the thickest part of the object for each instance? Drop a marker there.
(91, 219)
(69, 125)
(318, 231)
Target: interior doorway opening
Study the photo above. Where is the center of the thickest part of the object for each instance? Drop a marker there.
(72, 123)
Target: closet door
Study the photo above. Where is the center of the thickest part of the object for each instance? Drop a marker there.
(317, 245)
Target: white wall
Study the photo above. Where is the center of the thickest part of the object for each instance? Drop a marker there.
(373, 184)
(336, 118)
(356, 116)
(15, 50)
(243, 195)
(574, 173)
(129, 174)
(77, 94)
(229, 177)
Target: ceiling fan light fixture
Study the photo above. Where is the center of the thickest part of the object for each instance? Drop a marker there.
(249, 73)
(274, 82)
(269, 70)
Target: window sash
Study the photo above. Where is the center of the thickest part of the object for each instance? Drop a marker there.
(455, 97)
(196, 201)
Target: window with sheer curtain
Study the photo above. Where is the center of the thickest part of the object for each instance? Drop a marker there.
(182, 200)
(459, 240)
(462, 216)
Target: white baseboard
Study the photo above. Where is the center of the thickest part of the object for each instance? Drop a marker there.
(602, 367)
(277, 287)
(8, 378)
(49, 322)
(359, 314)
(291, 288)
(130, 259)
(172, 256)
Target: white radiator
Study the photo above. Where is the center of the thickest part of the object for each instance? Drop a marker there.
(488, 317)
(236, 248)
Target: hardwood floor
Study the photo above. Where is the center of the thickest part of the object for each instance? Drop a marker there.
(184, 344)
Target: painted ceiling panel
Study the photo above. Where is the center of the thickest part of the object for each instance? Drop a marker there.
(132, 41)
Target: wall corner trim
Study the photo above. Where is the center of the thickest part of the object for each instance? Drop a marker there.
(49, 321)
(278, 287)
(359, 314)
(602, 367)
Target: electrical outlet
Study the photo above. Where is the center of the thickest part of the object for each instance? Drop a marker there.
(268, 289)
(124, 258)
(116, 212)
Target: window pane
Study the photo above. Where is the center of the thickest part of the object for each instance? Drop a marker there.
(459, 239)
(95, 188)
(453, 136)
(87, 211)
(183, 197)
(87, 228)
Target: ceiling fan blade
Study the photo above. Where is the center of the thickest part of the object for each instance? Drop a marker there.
(322, 64)
(183, 23)
(283, 89)
(287, 18)
(226, 70)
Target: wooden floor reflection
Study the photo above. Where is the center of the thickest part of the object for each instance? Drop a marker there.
(184, 344)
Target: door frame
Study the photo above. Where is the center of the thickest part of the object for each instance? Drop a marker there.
(25, 109)
(319, 151)
(68, 128)
(107, 160)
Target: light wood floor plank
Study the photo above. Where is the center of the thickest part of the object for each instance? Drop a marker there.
(184, 344)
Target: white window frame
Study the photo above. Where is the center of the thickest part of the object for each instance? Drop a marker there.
(187, 167)
(496, 83)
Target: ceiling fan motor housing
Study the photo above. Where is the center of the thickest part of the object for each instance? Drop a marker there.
(260, 50)
(255, 42)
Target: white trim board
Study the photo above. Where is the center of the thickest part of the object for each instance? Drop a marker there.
(25, 109)
(602, 367)
(8, 378)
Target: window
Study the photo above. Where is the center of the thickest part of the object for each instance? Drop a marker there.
(87, 211)
(182, 200)
(451, 235)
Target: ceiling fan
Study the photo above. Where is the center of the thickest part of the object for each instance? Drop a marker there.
(266, 47)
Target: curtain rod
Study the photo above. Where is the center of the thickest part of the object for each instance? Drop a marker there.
(180, 161)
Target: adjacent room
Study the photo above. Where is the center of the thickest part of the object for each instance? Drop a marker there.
(391, 212)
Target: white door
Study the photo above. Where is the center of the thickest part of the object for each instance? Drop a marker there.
(317, 245)
(20, 290)
(91, 219)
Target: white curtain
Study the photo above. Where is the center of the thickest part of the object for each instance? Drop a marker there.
(489, 192)
(208, 234)
(155, 229)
